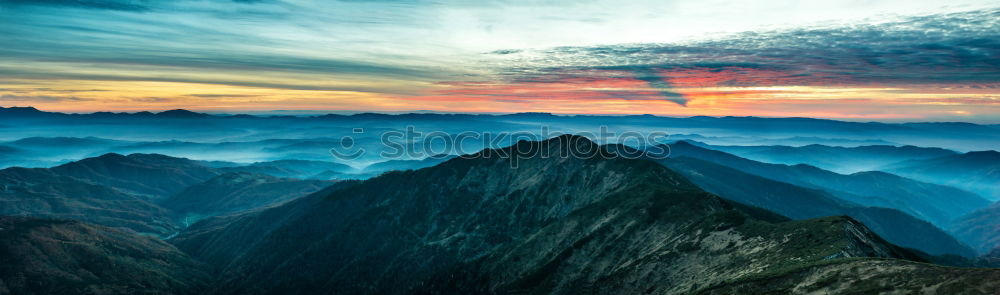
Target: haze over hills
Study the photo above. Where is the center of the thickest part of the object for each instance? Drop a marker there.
(980, 229)
(559, 224)
(254, 205)
(146, 193)
(974, 171)
(211, 128)
(238, 191)
(803, 203)
(834, 158)
(150, 175)
(516, 147)
(934, 203)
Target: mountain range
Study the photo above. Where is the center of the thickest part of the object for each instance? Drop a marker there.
(835, 158)
(974, 171)
(937, 204)
(798, 202)
(592, 222)
(564, 215)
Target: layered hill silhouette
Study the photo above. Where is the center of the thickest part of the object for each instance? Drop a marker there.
(238, 191)
(45, 193)
(835, 158)
(934, 203)
(150, 175)
(802, 203)
(974, 171)
(560, 216)
(303, 169)
(146, 193)
(514, 220)
(980, 229)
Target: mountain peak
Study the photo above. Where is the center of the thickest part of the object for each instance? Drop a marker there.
(181, 113)
(110, 156)
(562, 145)
(22, 111)
(988, 154)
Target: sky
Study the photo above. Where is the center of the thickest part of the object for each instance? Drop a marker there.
(857, 60)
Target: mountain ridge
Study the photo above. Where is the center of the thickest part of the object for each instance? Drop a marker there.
(521, 224)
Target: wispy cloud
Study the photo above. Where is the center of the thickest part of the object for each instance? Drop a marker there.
(665, 57)
(949, 50)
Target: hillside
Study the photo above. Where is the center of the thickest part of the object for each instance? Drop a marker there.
(238, 191)
(547, 224)
(293, 168)
(42, 193)
(868, 276)
(42, 256)
(835, 158)
(974, 171)
(802, 203)
(980, 229)
(937, 204)
(151, 175)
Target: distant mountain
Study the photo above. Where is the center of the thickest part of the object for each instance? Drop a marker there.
(590, 222)
(151, 175)
(22, 113)
(179, 113)
(974, 171)
(42, 193)
(839, 159)
(934, 203)
(7, 152)
(980, 229)
(302, 169)
(783, 141)
(391, 165)
(802, 203)
(238, 191)
(70, 257)
(147, 193)
(64, 142)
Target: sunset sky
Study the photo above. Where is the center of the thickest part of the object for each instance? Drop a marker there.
(859, 60)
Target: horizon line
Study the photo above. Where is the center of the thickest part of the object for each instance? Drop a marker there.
(347, 113)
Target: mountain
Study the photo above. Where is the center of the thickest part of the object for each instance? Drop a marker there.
(24, 113)
(839, 159)
(522, 219)
(974, 171)
(869, 276)
(238, 191)
(934, 203)
(181, 114)
(64, 142)
(42, 193)
(980, 229)
(42, 256)
(294, 168)
(151, 175)
(391, 165)
(802, 203)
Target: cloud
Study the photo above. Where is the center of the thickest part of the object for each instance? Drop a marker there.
(945, 49)
(40, 98)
